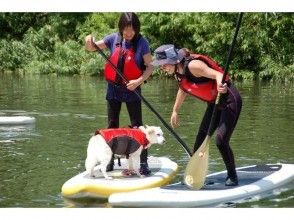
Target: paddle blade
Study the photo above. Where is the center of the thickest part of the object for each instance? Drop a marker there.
(197, 167)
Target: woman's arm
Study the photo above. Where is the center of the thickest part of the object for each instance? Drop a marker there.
(174, 120)
(133, 84)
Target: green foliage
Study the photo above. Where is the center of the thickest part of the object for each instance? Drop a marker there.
(15, 25)
(66, 25)
(262, 36)
(53, 43)
(99, 24)
(41, 42)
(13, 55)
(198, 32)
(276, 71)
(66, 60)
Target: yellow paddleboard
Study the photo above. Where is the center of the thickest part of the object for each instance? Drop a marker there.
(84, 186)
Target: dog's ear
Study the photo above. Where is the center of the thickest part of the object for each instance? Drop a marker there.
(159, 129)
(150, 130)
(142, 128)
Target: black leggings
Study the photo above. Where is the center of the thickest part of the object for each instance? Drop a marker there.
(227, 117)
(135, 113)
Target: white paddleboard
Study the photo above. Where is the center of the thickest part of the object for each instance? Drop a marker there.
(16, 120)
(253, 180)
(83, 186)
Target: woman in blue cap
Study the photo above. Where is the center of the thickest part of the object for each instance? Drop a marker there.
(201, 77)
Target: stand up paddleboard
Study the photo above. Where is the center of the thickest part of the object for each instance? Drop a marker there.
(83, 186)
(16, 120)
(253, 180)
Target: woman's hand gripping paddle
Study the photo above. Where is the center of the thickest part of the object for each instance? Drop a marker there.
(197, 167)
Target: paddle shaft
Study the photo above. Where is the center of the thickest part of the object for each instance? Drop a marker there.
(219, 95)
(145, 102)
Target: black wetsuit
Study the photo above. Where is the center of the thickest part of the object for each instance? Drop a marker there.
(227, 116)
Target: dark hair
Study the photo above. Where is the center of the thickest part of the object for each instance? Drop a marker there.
(187, 53)
(129, 19)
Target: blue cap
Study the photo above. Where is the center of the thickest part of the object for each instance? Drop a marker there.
(167, 54)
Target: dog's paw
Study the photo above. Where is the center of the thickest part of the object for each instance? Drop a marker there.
(127, 172)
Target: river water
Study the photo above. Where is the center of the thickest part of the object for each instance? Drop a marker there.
(36, 160)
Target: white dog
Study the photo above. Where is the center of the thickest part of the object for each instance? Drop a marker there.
(120, 141)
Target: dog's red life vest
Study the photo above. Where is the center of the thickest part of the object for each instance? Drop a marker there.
(205, 88)
(124, 141)
(128, 68)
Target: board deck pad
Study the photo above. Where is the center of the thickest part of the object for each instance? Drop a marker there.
(154, 165)
(246, 176)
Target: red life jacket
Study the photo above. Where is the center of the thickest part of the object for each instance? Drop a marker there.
(124, 60)
(124, 141)
(206, 89)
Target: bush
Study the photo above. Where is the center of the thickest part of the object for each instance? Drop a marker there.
(47, 43)
(13, 55)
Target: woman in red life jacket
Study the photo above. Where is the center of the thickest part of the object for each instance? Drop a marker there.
(201, 77)
(130, 52)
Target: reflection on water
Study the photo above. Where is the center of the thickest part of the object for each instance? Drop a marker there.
(16, 132)
(36, 160)
(87, 202)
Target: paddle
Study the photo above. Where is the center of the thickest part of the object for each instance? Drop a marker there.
(145, 101)
(197, 167)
